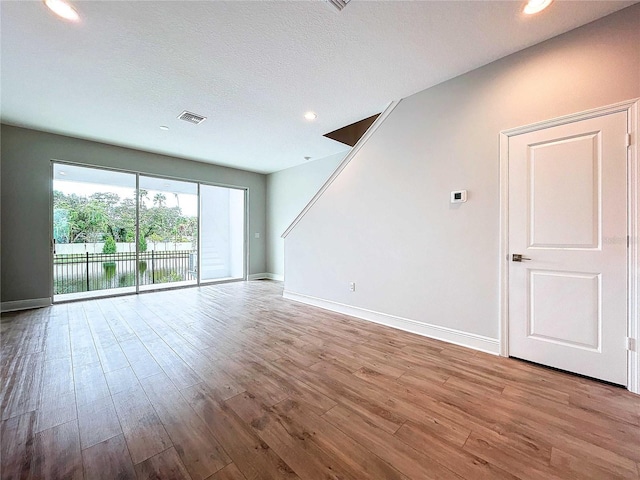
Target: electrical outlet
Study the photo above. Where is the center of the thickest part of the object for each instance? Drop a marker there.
(257, 235)
(352, 286)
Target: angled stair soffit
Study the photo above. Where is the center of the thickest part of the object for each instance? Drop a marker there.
(350, 134)
(363, 139)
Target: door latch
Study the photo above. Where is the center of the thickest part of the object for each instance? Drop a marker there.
(518, 257)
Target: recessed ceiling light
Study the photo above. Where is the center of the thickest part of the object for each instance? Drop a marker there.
(535, 6)
(164, 127)
(62, 173)
(310, 115)
(63, 9)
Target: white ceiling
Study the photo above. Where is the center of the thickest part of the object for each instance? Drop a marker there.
(252, 67)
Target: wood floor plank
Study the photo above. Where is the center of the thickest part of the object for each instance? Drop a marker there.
(306, 459)
(57, 379)
(340, 385)
(572, 466)
(200, 452)
(466, 465)
(174, 367)
(21, 386)
(90, 384)
(57, 403)
(98, 421)
(464, 408)
(121, 380)
(405, 458)
(83, 350)
(232, 381)
(116, 322)
(112, 357)
(587, 418)
(230, 472)
(108, 460)
(497, 452)
(17, 438)
(57, 342)
(166, 466)
(354, 459)
(141, 361)
(294, 388)
(56, 411)
(251, 378)
(144, 433)
(249, 453)
(614, 409)
(439, 428)
(603, 457)
(58, 453)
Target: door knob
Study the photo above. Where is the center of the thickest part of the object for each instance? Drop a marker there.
(517, 257)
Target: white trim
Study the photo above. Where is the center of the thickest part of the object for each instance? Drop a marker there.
(465, 339)
(256, 276)
(266, 276)
(25, 304)
(503, 271)
(625, 106)
(633, 172)
(374, 126)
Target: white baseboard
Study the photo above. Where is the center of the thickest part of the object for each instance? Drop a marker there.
(268, 276)
(25, 304)
(465, 339)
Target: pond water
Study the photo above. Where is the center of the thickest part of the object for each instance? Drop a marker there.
(74, 275)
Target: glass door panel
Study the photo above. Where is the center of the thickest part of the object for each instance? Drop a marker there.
(95, 216)
(168, 233)
(222, 220)
(94, 230)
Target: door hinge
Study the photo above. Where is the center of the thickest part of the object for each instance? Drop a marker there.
(631, 344)
(628, 140)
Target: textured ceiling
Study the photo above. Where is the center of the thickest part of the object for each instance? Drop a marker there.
(253, 68)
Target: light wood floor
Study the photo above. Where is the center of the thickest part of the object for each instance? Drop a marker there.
(234, 382)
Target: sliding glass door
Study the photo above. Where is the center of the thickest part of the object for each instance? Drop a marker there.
(94, 231)
(117, 232)
(222, 229)
(168, 233)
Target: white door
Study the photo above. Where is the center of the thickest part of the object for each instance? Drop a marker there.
(568, 218)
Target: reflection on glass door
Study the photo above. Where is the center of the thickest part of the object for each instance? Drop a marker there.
(168, 233)
(106, 242)
(222, 229)
(94, 231)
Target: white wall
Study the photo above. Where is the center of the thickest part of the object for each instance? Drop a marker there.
(386, 222)
(288, 192)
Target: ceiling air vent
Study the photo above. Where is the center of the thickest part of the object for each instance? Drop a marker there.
(338, 4)
(191, 117)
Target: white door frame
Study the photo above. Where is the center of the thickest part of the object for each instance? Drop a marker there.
(633, 227)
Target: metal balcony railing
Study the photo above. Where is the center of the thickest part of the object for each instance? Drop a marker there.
(73, 273)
